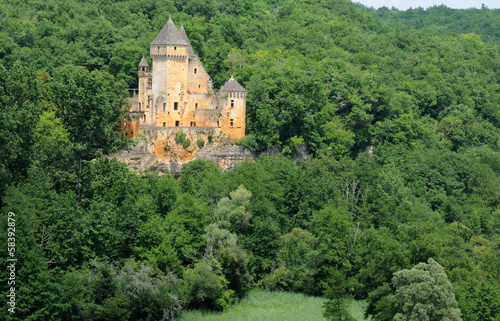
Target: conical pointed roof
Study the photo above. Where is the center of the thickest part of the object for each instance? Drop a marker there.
(185, 37)
(144, 62)
(169, 35)
(232, 85)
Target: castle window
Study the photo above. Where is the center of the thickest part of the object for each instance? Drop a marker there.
(175, 48)
(231, 123)
(199, 86)
(196, 106)
(176, 104)
(144, 117)
(177, 123)
(164, 124)
(218, 124)
(164, 107)
(232, 103)
(139, 106)
(195, 71)
(150, 82)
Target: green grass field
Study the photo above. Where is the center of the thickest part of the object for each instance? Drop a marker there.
(272, 306)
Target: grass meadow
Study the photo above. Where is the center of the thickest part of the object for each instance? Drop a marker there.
(272, 306)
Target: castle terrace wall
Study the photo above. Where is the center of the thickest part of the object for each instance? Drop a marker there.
(161, 141)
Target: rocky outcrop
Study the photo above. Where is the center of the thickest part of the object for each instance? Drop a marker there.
(226, 154)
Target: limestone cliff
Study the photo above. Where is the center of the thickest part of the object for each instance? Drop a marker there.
(226, 154)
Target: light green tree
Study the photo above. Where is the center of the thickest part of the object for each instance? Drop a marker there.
(424, 293)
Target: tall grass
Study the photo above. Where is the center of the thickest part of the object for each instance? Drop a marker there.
(272, 306)
(357, 310)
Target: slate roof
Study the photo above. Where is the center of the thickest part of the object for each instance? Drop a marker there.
(232, 85)
(144, 62)
(185, 37)
(169, 35)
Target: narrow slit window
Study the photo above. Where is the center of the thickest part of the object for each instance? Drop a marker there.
(164, 124)
(176, 104)
(196, 106)
(231, 123)
(195, 70)
(177, 123)
(164, 107)
(232, 103)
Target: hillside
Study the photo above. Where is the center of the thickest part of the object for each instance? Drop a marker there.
(401, 192)
(442, 20)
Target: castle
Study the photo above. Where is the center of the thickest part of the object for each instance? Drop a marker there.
(177, 94)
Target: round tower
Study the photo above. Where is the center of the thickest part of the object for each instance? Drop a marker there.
(144, 85)
(233, 99)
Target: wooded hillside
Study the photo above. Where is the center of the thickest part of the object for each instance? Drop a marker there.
(95, 241)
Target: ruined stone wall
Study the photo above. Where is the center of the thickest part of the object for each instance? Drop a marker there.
(199, 80)
(207, 117)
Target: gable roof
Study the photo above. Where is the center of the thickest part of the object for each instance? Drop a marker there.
(185, 37)
(169, 35)
(232, 85)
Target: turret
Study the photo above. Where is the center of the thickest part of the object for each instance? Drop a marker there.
(233, 103)
(144, 86)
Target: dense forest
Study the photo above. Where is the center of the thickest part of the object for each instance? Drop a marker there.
(443, 20)
(412, 225)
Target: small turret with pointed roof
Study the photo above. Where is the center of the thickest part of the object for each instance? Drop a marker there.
(143, 62)
(232, 85)
(185, 37)
(169, 35)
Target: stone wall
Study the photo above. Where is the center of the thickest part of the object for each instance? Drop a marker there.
(161, 141)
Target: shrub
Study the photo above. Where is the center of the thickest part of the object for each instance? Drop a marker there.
(180, 137)
(200, 142)
(186, 143)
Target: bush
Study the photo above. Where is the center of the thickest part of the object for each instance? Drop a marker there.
(206, 288)
(200, 142)
(180, 137)
(250, 143)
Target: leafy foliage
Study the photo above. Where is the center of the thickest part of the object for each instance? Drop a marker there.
(401, 125)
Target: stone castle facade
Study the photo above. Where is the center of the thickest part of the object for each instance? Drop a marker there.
(176, 93)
